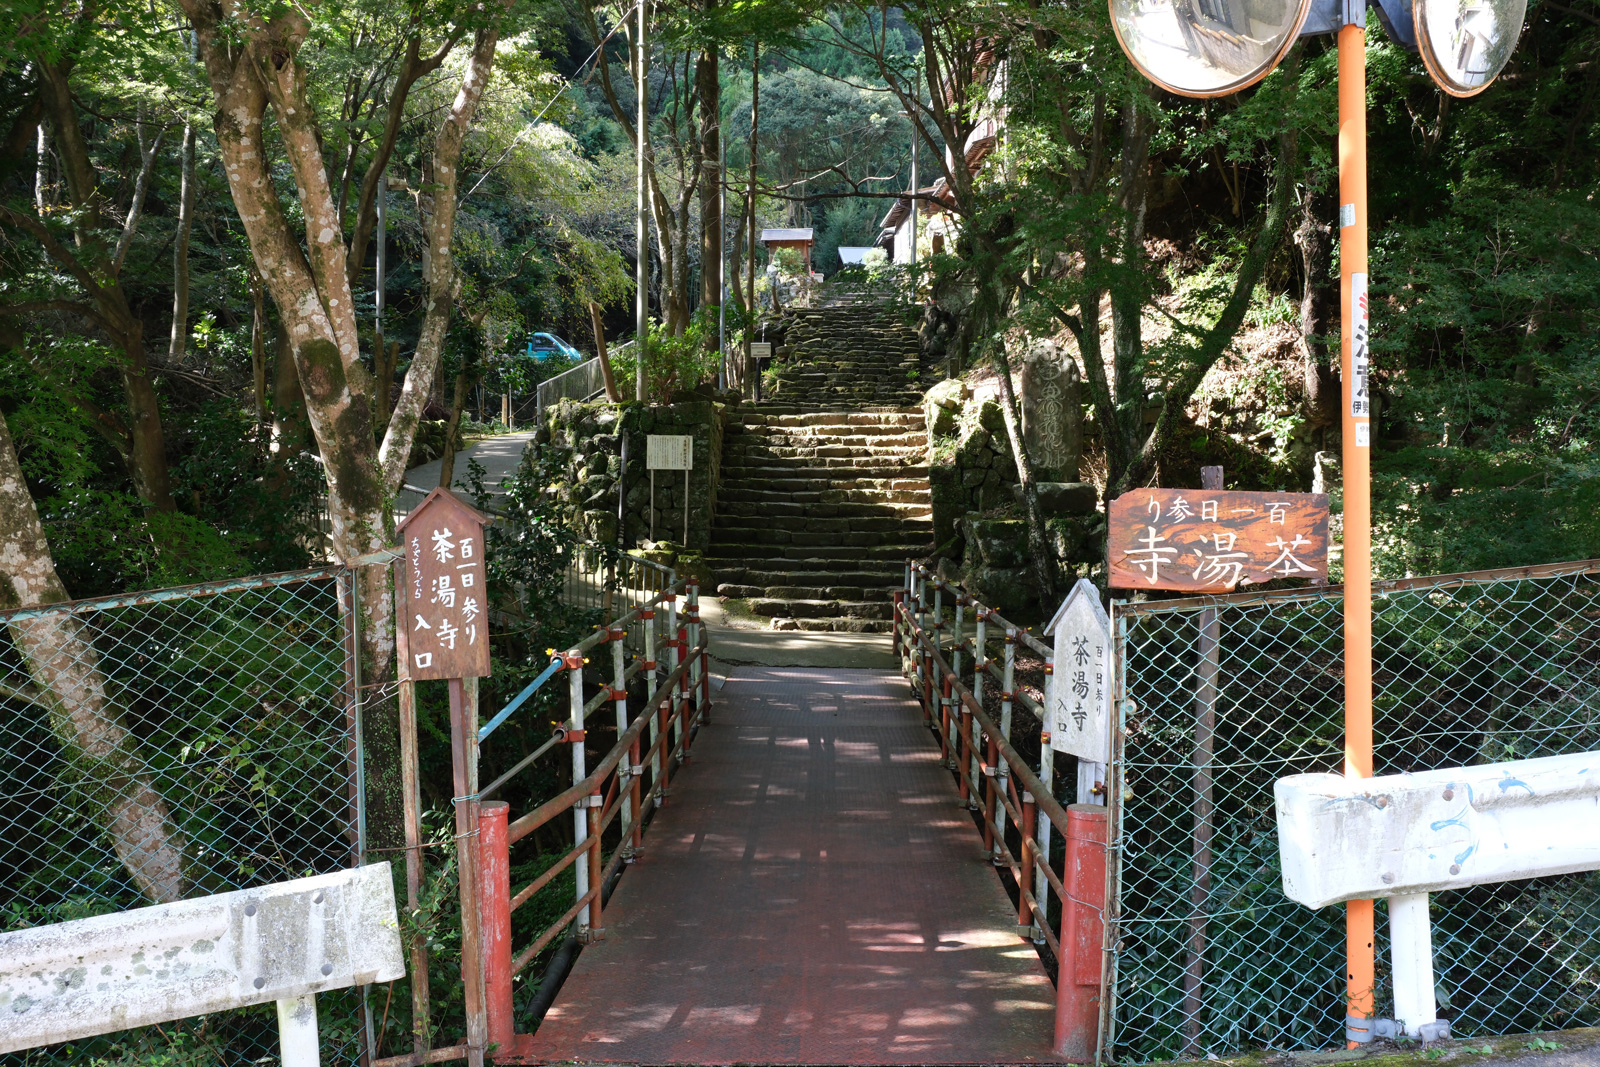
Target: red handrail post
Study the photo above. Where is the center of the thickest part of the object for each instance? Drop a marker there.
(899, 598)
(1025, 859)
(597, 930)
(635, 774)
(1082, 934)
(990, 794)
(945, 752)
(494, 924)
(964, 724)
(685, 697)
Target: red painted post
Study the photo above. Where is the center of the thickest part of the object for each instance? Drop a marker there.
(1082, 934)
(597, 930)
(899, 597)
(991, 794)
(964, 772)
(944, 727)
(494, 924)
(1025, 866)
(686, 708)
(635, 777)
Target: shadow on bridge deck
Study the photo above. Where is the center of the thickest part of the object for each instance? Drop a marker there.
(811, 893)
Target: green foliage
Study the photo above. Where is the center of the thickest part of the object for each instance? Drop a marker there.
(673, 364)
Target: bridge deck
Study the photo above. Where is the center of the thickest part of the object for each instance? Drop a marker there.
(810, 893)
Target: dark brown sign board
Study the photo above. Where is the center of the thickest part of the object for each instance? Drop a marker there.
(442, 611)
(1213, 540)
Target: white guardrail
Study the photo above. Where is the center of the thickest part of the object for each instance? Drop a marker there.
(1403, 836)
(282, 943)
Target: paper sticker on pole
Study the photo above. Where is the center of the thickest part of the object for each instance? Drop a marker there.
(1206, 48)
(1360, 336)
(1466, 45)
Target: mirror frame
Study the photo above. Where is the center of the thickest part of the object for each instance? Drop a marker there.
(1232, 87)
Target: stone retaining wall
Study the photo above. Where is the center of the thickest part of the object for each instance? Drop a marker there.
(588, 440)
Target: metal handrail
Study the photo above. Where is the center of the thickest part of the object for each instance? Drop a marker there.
(655, 741)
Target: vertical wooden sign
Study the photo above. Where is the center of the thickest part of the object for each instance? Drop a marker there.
(442, 613)
(1079, 697)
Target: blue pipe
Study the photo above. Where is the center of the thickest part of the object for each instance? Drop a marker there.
(505, 713)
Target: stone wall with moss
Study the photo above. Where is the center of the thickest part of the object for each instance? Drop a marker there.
(588, 443)
(977, 512)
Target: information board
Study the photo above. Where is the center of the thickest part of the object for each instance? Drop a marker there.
(669, 452)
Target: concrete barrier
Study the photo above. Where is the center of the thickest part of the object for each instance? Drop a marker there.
(1403, 836)
(280, 943)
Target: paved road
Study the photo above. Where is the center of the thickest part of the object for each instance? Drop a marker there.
(499, 456)
(810, 894)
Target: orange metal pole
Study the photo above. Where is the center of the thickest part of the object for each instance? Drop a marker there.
(1357, 427)
(1082, 934)
(494, 902)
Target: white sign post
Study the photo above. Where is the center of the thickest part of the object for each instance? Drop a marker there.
(669, 452)
(1079, 699)
(282, 943)
(1402, 836)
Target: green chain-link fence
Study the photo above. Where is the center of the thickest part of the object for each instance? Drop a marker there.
(176, 744)
(1221, 696)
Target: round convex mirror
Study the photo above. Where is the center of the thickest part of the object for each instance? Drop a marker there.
(1206, 47)
(1465, 43)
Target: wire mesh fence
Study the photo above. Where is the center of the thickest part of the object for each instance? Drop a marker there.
(1219, 697)
(175, 744)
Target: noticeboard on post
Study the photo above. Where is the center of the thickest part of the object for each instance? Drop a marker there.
(1214, 540)
(669, 452)
(442, 612)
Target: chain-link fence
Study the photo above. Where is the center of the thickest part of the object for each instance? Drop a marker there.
(1221, 696)
(176, 744)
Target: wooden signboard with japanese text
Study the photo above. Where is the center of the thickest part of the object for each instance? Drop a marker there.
(1214, 540)
(1079, 687)
(441, 618)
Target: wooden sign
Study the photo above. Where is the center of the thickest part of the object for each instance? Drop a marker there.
(669, 452)
(1213, 540)
(1079, 697)
(442, 619)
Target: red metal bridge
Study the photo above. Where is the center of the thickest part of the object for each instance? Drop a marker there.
(821, 877)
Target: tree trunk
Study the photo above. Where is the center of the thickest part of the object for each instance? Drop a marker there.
(452, 426)
(252, 63)
(96, 269)
(1040, 551)
(1319, 311)
(180, 257)
(258, 346)
(708, 89)
(613, 393)
(748, 375)
(63, 663)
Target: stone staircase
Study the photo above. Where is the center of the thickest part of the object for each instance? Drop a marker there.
(824, 490)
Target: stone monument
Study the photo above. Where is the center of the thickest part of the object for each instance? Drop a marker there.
(1052, 413)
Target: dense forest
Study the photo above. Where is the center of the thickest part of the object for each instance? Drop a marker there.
(168, 255)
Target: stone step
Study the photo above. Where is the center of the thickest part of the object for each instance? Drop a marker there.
(776, 415)
(830, 557)
(906, 542)
(749, 466)
(874, 575)
(838, 626)
(836, 475)
(815, 609)
(787, 480)
(823, 532)
(892, 438)
(732, 492)
(841, 429)
(802, 517)
(809, 592)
